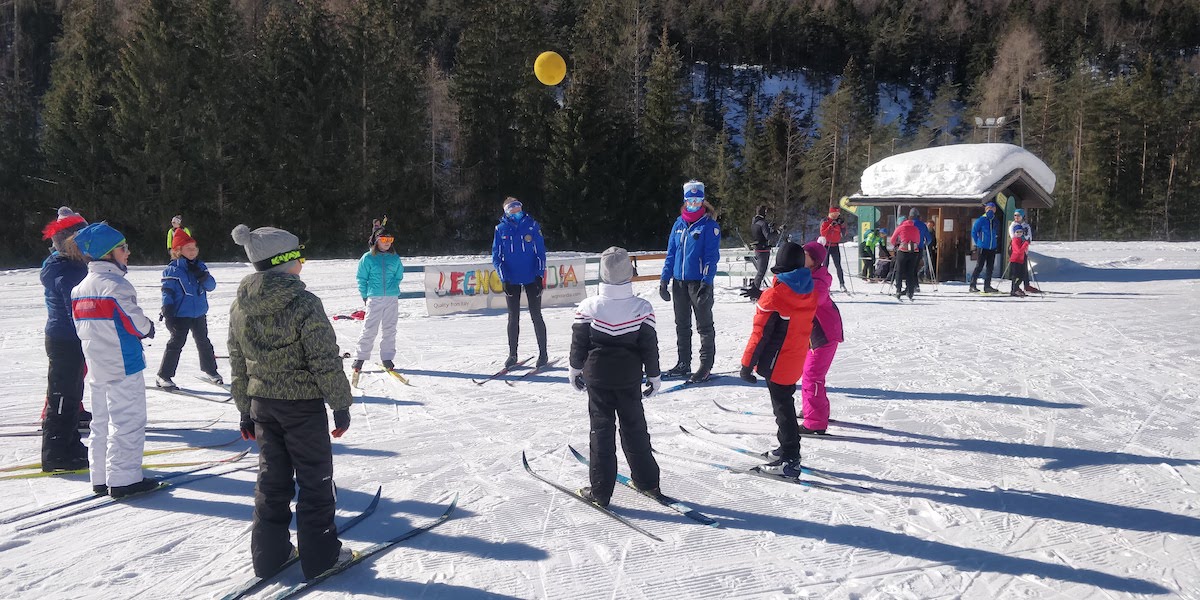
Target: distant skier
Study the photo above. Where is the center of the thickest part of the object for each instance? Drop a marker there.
(186, 283)
(778, 347)
(693, 250)
(761, 232)
(613, 340)
(1019, 223)
(833, 229)
(907, 240)
(380, 272)
(286, 368)
(985, 234)
(519, 257)
(63, 411)
(176, 226)
(111, 326)
(1018, 270)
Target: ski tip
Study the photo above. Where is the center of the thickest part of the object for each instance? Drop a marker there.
(684, 429)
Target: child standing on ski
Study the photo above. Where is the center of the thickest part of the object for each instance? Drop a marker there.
(286, 367)
(822, 346)
(111, 327)
(778, 347)
(186, 283)
(1017, 253)
(380, 272)
(612, 340)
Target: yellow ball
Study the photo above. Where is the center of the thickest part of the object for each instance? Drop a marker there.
(550, 68)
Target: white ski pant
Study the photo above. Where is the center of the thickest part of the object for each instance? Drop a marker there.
(118, 431)
(381, 310)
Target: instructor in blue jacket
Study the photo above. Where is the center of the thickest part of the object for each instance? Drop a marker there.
(693, 249)
(985, 234)
(519, 257)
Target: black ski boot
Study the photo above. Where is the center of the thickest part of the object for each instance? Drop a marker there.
(679, 371)
(543, 359)
(389, 365)
(510, 361)
(586, 494)
(122, 491)
(702, 374)
(357, 366)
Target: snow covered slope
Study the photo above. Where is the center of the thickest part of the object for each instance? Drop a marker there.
(1028, 448)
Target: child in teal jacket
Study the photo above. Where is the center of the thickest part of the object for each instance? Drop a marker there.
(379, 275)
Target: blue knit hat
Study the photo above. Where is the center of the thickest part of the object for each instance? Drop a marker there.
(693, 190)
(98, 239)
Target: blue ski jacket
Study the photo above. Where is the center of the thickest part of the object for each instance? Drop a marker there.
(985, 233)
(59, 276)
(185, 288)
(379, 274)
(518, 250)
(693, 251)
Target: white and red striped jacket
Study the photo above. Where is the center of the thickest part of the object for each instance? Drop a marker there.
(110, 323)
(613, 338)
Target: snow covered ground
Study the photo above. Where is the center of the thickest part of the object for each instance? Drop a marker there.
(1029, 448)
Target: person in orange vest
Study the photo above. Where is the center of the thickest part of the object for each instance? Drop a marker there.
(907, 240)
(833, 229)
(778, 348)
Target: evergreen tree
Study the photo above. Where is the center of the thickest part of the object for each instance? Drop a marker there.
(663, 141)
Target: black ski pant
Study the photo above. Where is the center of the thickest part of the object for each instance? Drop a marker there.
(179, 328)
(906, 273)
(1019, 273)
(605, 407)
(293, 451)
(762, 259)
(835, 256)
(64, 403)
(512, 296)
(987, 260)
(690, 297)
(783, 404)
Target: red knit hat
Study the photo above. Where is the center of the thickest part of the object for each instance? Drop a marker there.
(834, 209)
(180, 239)
(67, 223)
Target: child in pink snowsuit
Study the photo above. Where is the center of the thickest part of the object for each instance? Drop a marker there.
(826, 334)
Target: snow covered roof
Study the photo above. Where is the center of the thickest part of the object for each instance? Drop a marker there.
(962, 174)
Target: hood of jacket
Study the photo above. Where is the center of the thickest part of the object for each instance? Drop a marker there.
(799, 281)
(266, 293)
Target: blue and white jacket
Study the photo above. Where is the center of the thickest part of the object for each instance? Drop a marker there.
(183, 294)
(693, 251)
(519, 251)
(110, 323)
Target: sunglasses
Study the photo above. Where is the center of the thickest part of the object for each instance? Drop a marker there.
(124, 247)
(513, 208)
(694, 200)
(386, 239)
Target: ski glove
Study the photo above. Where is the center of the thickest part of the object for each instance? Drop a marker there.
(247, 426)
(653, 384)
(751, 292)
(341, 422)
(575, 376)
(662, 291)
(151, 333)
(747, 375)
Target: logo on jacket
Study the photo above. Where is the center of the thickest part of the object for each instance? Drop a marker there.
(528, 238)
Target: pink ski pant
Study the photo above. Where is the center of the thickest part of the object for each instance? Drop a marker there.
(815, 400)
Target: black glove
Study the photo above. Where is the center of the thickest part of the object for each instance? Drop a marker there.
(201, 275)
(663, 293)
(247, 426)
(747, 375)
(151, 334)
(751, 292)
(341, 422)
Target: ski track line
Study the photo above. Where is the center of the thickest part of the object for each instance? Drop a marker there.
(620, 569)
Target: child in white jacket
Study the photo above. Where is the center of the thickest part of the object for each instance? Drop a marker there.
(111, 327)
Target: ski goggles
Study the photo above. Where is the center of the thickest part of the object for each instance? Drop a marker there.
(513, 207)
(386, 239)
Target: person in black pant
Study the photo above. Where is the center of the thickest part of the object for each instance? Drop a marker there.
(519, 257)
(186, 283)
(693, 251)
(285, 367)
(63, 412)
(985, 234)
(760, 232)
(612, 340)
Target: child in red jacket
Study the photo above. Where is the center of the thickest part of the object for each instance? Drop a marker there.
(1017, 253)
(778, 347)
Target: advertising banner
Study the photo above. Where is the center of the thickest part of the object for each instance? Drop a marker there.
(453, 289)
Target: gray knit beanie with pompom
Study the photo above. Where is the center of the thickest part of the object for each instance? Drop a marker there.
(268, 248)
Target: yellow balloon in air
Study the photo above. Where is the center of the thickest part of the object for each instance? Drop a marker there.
(550, 68)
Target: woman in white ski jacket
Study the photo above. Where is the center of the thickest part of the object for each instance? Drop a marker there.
(111, 327)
